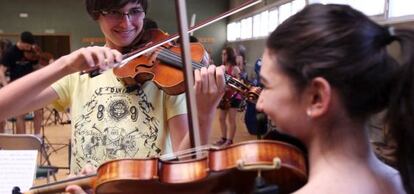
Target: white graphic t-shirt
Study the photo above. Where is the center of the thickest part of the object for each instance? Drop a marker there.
(110, 121)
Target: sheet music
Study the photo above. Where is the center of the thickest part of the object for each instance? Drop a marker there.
(17, 168)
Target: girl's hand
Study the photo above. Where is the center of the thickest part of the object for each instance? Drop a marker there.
(75, 189)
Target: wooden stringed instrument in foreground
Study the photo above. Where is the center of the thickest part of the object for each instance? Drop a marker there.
(219, 169)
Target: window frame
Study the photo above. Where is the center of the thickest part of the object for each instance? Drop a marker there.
(383, 18)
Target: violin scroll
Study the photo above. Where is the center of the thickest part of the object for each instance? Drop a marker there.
(250, 92)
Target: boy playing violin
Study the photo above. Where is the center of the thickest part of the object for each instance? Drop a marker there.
(110, 121)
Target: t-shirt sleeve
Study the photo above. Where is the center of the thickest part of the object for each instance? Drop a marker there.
(63, 88)
(175, 105)
(6, 60)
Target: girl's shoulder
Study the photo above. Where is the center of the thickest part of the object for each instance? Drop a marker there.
(357, 182)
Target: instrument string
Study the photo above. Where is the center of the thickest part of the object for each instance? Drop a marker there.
(174, 59)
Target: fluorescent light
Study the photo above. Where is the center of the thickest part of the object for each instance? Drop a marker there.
(23, 15)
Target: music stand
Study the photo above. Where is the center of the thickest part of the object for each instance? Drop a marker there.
(46, 144)
(28, 142)
(55, 117)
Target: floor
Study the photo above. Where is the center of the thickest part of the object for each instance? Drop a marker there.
(57, 137)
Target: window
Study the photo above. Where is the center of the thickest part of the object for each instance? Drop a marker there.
(273, 20)
(260, 24)
(233, 31)
(230, 36)
(285, 11)
(257, 22)
(263, 23)
(368, 7)
(298, 5)
(329, 1)
(399, 8)
(237, 30)
(246, 28)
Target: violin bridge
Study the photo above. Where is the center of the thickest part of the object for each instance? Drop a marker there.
(276, 164)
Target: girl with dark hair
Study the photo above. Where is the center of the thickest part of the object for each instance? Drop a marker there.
(231, 100)
(325, 72)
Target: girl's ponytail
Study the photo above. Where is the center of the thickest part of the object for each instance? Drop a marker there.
(400, 115)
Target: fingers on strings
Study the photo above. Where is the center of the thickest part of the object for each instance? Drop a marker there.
(209, 80)
(101, 57)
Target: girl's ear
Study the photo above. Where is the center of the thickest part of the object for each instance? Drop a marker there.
(320, 94)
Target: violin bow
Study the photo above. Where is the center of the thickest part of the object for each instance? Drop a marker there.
(134, 54)
(181, 12)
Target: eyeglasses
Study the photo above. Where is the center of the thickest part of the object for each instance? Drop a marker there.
(133, 13)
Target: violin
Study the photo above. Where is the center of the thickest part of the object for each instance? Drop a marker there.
(166, 70)
(33, 54)
(219, 168)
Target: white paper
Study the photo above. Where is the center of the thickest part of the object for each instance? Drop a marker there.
(17, 168)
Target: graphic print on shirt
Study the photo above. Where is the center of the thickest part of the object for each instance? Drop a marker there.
(115, 124)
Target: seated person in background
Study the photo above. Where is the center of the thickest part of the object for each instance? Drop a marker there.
(3, 78)
(3, 82)
(20, 60)
(4, 45)
(325, 72)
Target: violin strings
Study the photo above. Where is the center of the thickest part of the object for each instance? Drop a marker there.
(179, 61)
(163, 55)
(169, 59)
(176, 58)
(169, 55)
(187, 151)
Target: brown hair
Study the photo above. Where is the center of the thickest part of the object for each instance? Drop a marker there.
(231, 56)
(346, 48)
(4, 45)
(94, 6)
